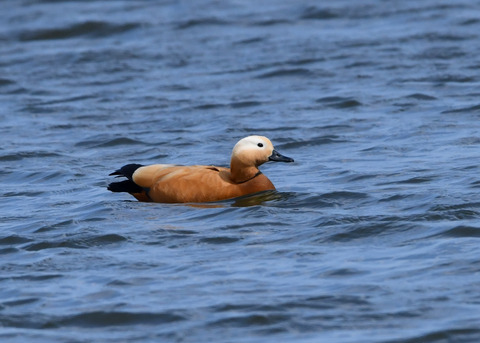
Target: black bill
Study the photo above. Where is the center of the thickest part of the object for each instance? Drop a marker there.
(276, 157)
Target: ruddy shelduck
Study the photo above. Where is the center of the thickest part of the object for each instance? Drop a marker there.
(169, 183)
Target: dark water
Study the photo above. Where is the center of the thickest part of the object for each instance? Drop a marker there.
(372, 236)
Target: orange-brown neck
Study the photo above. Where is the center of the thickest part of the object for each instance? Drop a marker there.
(241, 172)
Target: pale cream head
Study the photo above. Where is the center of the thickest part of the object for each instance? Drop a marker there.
(253, 150)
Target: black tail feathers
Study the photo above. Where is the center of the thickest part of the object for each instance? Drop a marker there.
(127, 170)
(128, 185)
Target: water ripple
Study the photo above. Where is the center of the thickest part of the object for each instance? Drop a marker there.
(90, 320)
(103, 319)
(461, 231)
(76, 243)
(220, 240)
(468, 109)
(314, 141)
(14, 239)
(28, 154)
(250, 320)
(421, 96)
(89, 29)
(339, 102)
(316, 13)
(6, 82)
(465, 334)
(102, 143)
(284, 72)
(191, 23)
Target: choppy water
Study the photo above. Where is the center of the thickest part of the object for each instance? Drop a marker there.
(372, 236)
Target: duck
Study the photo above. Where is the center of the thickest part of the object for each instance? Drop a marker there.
(168, 183)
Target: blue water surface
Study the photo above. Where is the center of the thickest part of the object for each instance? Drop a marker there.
(371, 236)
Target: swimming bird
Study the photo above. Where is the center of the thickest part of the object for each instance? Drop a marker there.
(167, 183)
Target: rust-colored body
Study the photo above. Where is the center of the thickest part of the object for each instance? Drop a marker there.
(171, 184)
(168, 183)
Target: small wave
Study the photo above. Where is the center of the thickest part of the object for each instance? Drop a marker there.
(90, 319)
(438, 37)
(362, 227)
(249, 320)
(102, 319)
(6, 82)
(396, 197)
(321, 140)
(201, 22)
(19, 302)
(420, 96)
(253, 40)
(14, 239)
(241, 104)
(119, 141)
(461, 231)
(467, 334)
(468, 141)
(56, 226)
(271, 314)
(90, 28)
(101, 143)
(411, 180)
(209, 106)
(475, 108)
(271, 22)
(360, 177)
(465, 211)
(308, 200)
(316, 13)
(441, 53)
(219, 240)
(441, 79)
(253, 225)
(339, 102)
(6, 251)
(286, 72)
(342, 272)
(415, 180)
(471, 21)
(344, 195)
(23, 321)
(30, 277)
(48, 245)
(77, 243)
(453, 78)
(303, 61)
(176, 88)
(65, 100)
(28, 154)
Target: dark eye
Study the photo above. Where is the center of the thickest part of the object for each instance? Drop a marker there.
(260, 145)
